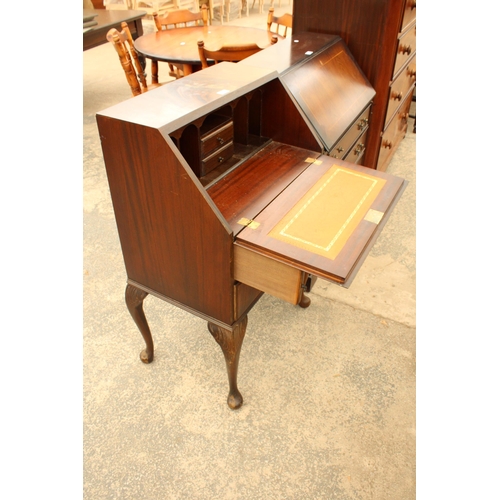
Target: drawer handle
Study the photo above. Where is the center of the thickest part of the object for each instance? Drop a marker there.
(363, 123)
(397, 96)
(359, 149)
(221, 140)
(221, 159)
(387, 144)
(413, 5)
(340, 149)
(405, 49)
(412, 73)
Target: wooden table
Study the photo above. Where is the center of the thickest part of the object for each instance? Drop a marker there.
(180, 45)
(107, 19)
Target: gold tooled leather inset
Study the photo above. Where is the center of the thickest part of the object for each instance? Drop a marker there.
(326, 216)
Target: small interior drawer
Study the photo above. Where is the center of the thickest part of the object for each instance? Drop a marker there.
(216, 138)
(216, 158)
(341, 149)
(407, 45)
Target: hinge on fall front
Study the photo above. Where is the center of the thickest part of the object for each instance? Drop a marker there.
(252, 224)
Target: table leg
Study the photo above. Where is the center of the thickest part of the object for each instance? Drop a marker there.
(154, 71)
(187, 69)
(230, 342)
(134, 297)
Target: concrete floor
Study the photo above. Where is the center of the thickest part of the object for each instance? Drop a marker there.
(329, 391)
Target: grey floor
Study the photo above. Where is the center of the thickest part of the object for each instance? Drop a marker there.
(329, 410)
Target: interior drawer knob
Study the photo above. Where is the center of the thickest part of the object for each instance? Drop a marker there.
(405, 49)
(221, 159)
(412, 4)
(412, 73)
(397, 96)
(221, 140)
(387, 144)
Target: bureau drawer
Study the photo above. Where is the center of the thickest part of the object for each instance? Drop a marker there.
(216, 138)
(263, 273)
(409, 14)
(400, 87)
(394, 133)
(406, 47)
(357, 153)
(342, 147)
(216, 158)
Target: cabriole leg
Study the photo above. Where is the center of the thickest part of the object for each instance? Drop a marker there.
(134, 297)
(230, 342)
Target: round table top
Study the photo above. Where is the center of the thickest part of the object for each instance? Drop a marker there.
(180, 45)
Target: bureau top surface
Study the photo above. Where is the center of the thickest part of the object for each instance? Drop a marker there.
(181, 101)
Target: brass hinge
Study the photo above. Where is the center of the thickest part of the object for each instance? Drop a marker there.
(252, 224)
(313, 160)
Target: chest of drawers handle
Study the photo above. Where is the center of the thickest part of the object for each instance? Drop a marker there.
(405, 49)
(397, 96)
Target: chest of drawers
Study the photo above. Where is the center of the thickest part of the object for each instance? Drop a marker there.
(381, 35)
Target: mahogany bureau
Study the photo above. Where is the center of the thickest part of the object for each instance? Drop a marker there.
(222, 190)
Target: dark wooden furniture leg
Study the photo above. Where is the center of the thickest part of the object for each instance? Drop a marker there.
(134, 297)
(154, 70)
(230, 342)
(305, 301)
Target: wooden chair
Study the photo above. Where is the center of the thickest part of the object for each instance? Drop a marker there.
(181, 18)
(285, 21)
(118, 4)
(242, 5)
(261, 5)
(159, 6)
(123, 43)
(177, 19)
(231, 53)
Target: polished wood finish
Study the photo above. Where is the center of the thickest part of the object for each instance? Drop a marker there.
(180, 46)
(277, 23)
(108, 19)
(380, 34)
(197, 238)
(129, 59)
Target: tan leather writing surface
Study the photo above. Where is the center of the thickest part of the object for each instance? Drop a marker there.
(326, 216)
